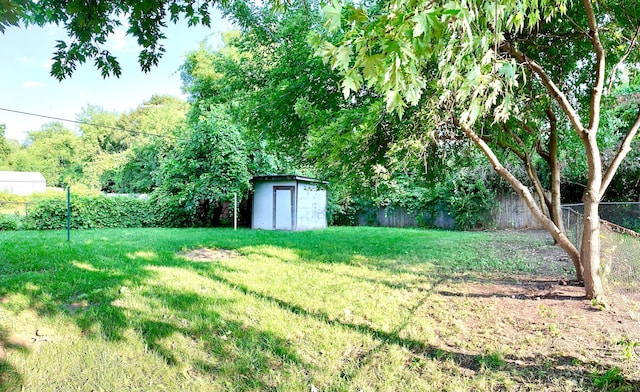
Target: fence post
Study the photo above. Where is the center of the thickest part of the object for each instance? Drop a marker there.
(68, 213)
(235, 211)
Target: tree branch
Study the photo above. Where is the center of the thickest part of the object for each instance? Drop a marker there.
(528, 165)
(624, 149)
(596, 93)
(622, 59)
(515, 137)
(554, 166)
(523, 191)
(551, 87)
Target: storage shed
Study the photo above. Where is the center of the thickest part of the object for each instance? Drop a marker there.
(22, 183)
(288, 202)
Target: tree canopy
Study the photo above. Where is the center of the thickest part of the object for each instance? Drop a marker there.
(205, 168)
(489, 61)
(89, 25)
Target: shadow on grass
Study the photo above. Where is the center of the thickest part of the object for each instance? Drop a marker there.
(238, 351)
(10, 378)
(82, 281)
(526, 369)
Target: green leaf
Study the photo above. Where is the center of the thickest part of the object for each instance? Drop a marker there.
(358, 14)
(470, 115)
(325, 50)
(351, 82)
(421, 24)
(508, 71)
(371, 66)
(342, 57)
(534, 18)
(395, 102)
(451, 8)
(333, 14)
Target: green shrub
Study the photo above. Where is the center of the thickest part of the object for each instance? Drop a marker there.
(11, 198)
(470, 203)
(92, 212)
(8, 223)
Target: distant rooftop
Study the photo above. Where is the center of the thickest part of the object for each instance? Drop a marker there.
(285, 177)
(16, 176)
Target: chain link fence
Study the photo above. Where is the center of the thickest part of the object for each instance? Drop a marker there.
(15, 210)
(620, 243)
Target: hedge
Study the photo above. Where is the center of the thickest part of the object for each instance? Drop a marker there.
(8, 222)
(91, 212)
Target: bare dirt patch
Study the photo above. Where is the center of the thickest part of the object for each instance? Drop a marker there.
(545, 313)
(210, 255)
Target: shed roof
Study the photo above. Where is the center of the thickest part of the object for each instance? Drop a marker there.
(15, 176)
(286, 177)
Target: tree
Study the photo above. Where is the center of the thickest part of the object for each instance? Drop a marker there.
(52, 150)
(103, 140)
(472, 57)
(5, 148)
(11, 12)
(156, 117)
(261, 74)
(294, 111)
(207, 166)
(152, 127)
(89, 24)
(480, 53)
(290, 103)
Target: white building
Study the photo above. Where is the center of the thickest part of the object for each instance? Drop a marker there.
(288, 202)
(22, 183)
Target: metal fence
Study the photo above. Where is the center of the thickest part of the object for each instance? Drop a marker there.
(17, 208)
(620, 244)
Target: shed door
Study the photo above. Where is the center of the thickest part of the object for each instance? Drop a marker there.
(283, 207)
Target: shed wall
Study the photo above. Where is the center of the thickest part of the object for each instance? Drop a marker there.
(22, 187)
(312, 207)
(262, 215)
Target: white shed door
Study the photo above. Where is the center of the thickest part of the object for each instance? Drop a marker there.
(283, 207)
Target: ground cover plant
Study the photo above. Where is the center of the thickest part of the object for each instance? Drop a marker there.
(342, 309)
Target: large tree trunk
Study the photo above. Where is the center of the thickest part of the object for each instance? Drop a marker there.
(590, 246)
(590, 250)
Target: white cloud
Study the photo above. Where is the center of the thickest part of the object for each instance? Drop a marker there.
(47, 64)
(26, 60)
(86, 94)
(118, 40)
(54, 30)
(32, 84)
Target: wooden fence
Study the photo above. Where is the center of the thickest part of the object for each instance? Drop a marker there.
(400, 217)
(510, 212)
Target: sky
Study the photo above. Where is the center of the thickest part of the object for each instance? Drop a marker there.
(26, 85)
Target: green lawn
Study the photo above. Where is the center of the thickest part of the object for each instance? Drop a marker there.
(342, 309)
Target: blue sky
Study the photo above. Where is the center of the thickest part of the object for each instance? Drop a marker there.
(25, 83)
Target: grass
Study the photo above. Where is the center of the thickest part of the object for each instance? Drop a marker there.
(343, 309)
